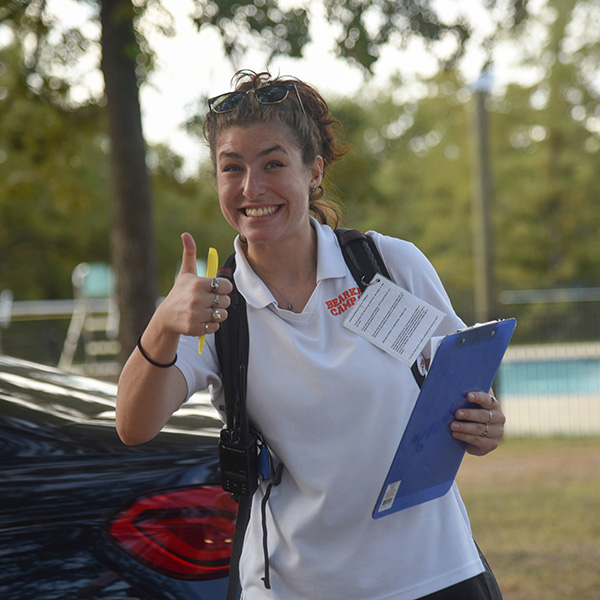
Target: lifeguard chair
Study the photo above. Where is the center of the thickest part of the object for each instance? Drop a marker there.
(94, 323)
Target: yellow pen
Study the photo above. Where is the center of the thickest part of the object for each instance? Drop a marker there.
(212, 264)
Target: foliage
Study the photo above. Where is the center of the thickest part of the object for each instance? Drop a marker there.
(55, 193)
(409, 172)
(281, 31)
(49, 54)
(410, 176)
(53, 169)
(57, 55)
(367, 25)
(185, 205)
(364, 27)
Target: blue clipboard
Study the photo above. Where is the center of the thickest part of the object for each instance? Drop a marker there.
(428, 457)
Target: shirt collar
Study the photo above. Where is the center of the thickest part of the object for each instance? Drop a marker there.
(330, 264)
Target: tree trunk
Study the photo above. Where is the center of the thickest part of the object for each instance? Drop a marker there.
(132, 237)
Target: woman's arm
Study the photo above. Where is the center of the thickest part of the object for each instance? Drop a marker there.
(148, 395)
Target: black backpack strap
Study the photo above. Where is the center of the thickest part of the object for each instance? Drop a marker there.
(241, 524)
(364, 261)
(361, 256)
(232, 344)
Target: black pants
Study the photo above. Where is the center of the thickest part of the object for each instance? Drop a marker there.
(482, 587)
(475, 588)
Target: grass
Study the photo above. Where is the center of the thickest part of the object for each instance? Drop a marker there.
(534, 506)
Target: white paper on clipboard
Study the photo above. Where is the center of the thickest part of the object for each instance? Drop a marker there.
(393, 319)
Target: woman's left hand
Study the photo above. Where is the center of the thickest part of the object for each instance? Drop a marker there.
(481, 428)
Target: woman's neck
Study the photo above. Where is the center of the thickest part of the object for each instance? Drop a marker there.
(289, 272)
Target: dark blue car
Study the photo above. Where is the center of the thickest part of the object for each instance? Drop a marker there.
(84, 516)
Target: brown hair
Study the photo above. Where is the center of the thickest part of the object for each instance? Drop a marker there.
(311, 126)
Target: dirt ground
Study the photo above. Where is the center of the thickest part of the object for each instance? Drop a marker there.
(534, 506)
(561, 458)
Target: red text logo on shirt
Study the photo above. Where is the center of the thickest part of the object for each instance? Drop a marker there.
(344, 301)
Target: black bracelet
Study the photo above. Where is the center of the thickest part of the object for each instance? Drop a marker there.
(153, 362)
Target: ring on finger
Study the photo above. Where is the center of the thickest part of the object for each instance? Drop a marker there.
(490, 419)
(214, 285)
(487, 428)
(216, 301)
(493, 399)
(206, 326)
(216, 315)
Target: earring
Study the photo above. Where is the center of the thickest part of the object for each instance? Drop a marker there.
(313, 189)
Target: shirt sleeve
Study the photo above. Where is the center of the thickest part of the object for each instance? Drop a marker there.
(411, 270)
(201, 371)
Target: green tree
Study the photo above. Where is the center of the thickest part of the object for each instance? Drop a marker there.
(132, 238)
(124, 56)
(408, 175)
(550, 132)
(53, 173)
(184, 204)
(364, 27)
(410, 172)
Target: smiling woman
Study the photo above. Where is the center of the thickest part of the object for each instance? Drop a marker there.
(312, 136)
(264, 189)
(271, 141)
(313, 387)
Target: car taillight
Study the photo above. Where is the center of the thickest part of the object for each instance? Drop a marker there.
(185, 533)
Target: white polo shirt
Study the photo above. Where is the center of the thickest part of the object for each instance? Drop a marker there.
(332, 407)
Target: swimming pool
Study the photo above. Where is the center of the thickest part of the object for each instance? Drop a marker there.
(549, 377)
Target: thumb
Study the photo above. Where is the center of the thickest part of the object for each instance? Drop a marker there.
(188, 260)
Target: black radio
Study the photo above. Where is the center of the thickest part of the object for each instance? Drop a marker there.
(239, 462)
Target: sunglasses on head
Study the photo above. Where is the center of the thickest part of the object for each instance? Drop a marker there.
(273, 93)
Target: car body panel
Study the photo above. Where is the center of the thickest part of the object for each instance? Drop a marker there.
(65, 474)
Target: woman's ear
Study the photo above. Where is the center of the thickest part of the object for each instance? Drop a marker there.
(317, 171)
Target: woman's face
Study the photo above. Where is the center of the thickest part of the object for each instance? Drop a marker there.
(263, 183)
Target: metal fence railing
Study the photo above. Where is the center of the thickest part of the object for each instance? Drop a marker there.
(551, 389)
